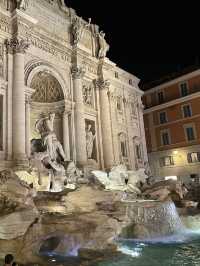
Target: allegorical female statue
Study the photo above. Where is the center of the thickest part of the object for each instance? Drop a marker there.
(89, 141)
(103, 46)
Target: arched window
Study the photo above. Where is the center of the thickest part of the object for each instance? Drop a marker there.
(123, 145)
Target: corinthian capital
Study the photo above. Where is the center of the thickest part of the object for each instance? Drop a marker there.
(102, 84)
(17, 45)
(77, 72)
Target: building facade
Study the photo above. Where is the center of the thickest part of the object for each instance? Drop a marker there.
(51, 60)
(172, 126)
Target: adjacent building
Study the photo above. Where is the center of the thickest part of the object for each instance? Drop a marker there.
(51, 60)
(172, 125)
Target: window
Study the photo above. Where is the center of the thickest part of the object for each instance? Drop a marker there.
(163, 117)
(189, 132)
(165, 138)
(166, 161)
(119, 104)
(116, 75)
(186, 110)
(160, 97)
(130, 82)
(138, 151)
(123, 149)
(184, 89)
(123, 145)
(193, 157)
(133, 109)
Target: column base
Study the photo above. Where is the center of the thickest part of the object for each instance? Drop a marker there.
(21, 160)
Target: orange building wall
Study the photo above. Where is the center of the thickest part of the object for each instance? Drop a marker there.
(173, 92)
(174, 117)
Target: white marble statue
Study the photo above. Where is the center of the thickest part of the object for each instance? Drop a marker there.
(44, 127)
(77, 29)
(22, 4)
(121, 179)
(103, 46)
(89, 141)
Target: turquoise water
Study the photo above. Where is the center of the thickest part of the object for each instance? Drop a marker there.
(177, 250)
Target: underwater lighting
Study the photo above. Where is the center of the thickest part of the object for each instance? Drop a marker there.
(172, 177)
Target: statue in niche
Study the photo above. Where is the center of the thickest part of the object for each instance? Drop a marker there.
(44, 127)
(77, 29)
(87, 95)
(103, 46)
(89, 141)
(22, 4)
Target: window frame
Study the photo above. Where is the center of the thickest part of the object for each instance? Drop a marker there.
(182, 110)
(162, 161)
(189, 158)
(157, 93)
(180, 89)
(186, 126)
(165, 117)
(169, 137)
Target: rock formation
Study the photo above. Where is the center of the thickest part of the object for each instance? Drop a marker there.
(83, 223)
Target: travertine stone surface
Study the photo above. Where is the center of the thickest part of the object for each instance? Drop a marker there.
(52, 60)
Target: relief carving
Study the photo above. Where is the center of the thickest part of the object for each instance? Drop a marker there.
(88, 94)
(22, 4)
(77, 28)
(16, 45)
(77, 72)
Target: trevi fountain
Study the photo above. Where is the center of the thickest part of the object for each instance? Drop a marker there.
(75, 184)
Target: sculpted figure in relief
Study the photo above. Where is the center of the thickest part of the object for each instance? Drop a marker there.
(89, 141)
(44, 127)
(103, 46)
(22, 4)
(77, 29)
(87, 95)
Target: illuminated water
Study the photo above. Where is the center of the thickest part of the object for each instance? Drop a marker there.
(178, 250)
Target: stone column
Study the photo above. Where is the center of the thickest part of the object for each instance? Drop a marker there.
(107, 140)
(28, 125)
(79, 117)
(66, 144)
(9, 101)
(19, 129)
(142, 129)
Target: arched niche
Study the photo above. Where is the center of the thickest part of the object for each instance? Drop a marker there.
(47, 97)
(47, 88)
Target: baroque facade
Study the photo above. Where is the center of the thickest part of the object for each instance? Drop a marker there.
(51, 60)
(172, 125)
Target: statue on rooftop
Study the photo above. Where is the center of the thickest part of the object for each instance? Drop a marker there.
(22, 4)
(103, 46)
(77, 29)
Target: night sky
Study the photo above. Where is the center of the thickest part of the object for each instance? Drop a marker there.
(144, 41)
